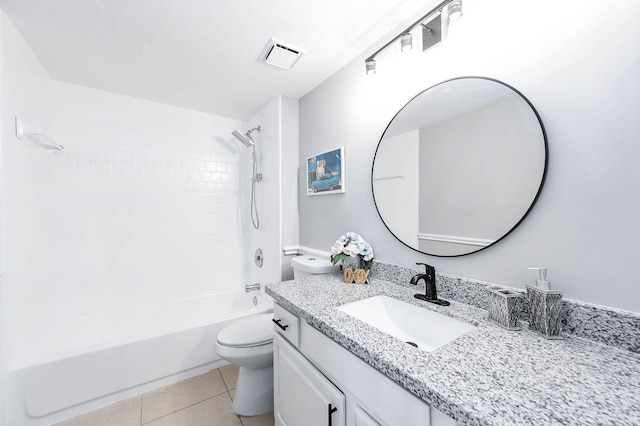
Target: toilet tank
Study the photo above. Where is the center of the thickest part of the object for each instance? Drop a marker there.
(307, 265)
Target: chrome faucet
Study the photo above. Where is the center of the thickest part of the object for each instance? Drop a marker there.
(251, 287)
(429, 277)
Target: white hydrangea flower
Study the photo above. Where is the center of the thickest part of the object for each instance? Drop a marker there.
(352, 250)
(337, 248)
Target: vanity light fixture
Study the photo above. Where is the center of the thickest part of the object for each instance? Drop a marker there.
(370, 66)
(455, 10)
(431, 31)
(406, 42)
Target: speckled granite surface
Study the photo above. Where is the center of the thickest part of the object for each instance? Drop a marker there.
(489, 376)
(610, 326)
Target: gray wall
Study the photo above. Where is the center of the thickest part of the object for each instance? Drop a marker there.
(585, 85)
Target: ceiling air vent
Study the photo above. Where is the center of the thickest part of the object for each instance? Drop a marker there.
(280, 55)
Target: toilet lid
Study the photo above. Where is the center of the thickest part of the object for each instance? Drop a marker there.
(254, 330)
(313, 264)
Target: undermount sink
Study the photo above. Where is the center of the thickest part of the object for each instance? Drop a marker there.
(420, 327)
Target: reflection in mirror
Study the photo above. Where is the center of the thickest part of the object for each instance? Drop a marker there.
(459, 167)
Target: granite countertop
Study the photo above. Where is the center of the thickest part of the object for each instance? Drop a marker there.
(489, 376)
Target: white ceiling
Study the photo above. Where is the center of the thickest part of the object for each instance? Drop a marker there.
(203, 54)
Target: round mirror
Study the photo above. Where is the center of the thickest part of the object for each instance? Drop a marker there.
(459, 167)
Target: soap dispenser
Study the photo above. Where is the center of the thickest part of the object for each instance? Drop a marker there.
(545, 306)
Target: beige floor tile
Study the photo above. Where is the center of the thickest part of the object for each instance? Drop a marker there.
(229, 375)
(263, 420)
(123, 413)
(168, 399)
(232, 394)
(214, 411)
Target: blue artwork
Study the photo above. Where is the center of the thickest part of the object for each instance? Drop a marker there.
(325, 173)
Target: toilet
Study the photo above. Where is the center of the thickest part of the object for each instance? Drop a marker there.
(248, 343)
(307, 265)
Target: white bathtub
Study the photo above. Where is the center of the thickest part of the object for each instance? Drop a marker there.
(82, 364)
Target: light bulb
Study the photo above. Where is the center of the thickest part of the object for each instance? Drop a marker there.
(406, 42)
(454, 10)
(370, 66)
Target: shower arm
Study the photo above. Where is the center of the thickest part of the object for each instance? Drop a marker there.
(258, 128)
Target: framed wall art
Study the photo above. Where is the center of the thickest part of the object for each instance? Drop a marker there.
(325, 173)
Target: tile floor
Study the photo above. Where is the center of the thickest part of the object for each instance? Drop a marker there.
(203, 400)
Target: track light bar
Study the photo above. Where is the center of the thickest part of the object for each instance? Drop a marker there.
(405, 37)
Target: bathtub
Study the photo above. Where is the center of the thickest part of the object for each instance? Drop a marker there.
(81, 364)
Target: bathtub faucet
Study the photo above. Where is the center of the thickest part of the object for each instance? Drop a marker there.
(251, 287)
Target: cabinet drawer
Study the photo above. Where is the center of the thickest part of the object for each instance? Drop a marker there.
(287, 324)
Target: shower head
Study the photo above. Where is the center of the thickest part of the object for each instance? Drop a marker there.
(246, 138)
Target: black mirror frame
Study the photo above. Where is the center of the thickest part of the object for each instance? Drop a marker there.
(533, 202)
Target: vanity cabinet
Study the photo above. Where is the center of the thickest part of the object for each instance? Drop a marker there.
(313, 376)
(304, 396)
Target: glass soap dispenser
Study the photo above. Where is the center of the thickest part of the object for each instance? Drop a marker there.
(545, 307)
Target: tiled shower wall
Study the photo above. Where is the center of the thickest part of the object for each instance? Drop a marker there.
(156, 188)
(141, 207)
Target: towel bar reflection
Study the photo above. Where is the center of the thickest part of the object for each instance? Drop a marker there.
(24, 132)
(403, 177)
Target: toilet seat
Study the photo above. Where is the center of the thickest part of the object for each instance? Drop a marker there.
(252, 331)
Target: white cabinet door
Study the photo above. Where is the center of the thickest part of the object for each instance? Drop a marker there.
(363, 418)
(303, 396)
(385, 401)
